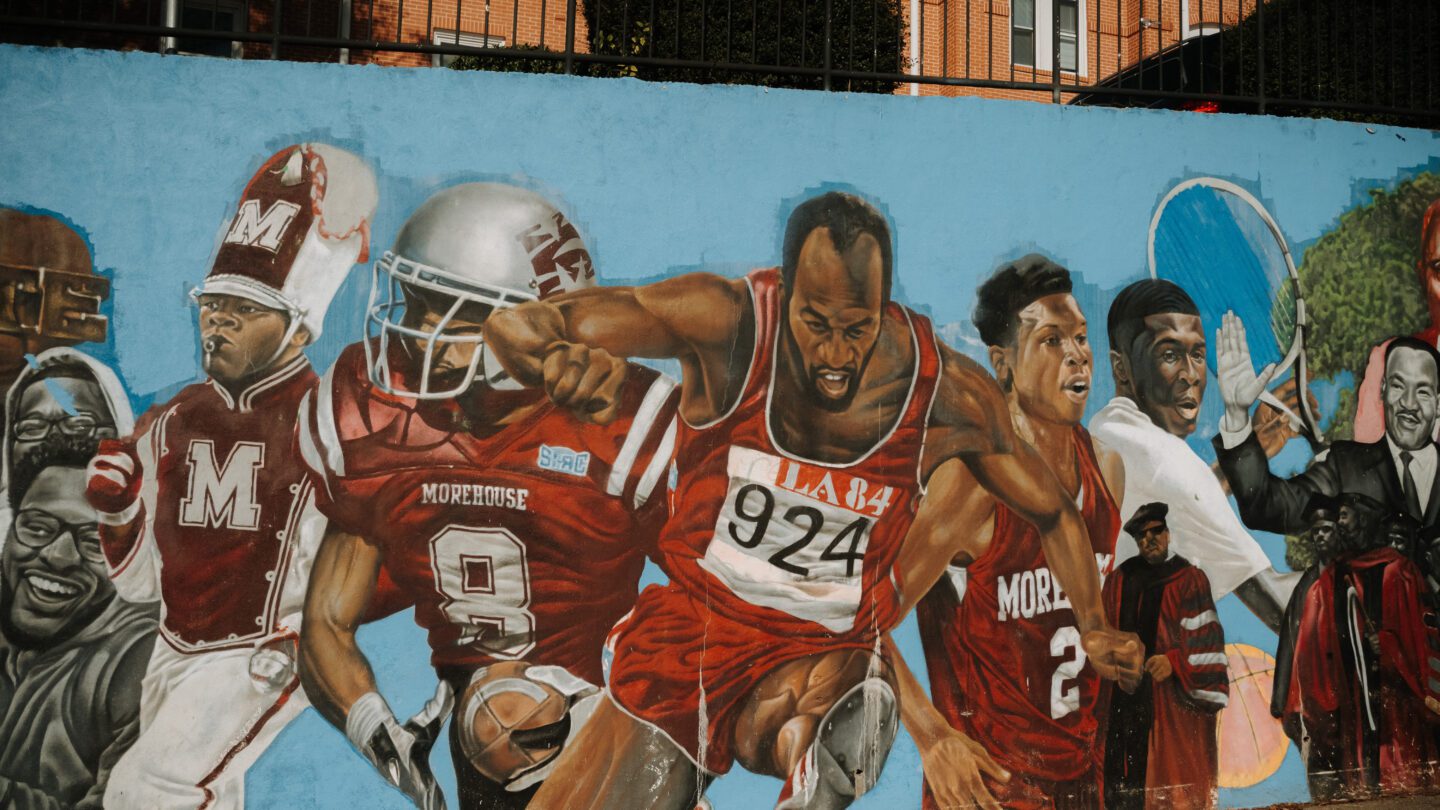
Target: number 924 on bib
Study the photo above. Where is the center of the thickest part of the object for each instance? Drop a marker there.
(792, 536)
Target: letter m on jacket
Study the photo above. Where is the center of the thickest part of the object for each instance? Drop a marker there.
(223, 496)
(254, 230)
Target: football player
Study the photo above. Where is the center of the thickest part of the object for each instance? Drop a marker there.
(815, 412)
(1006, 666)
(519, 530)
(205, 507)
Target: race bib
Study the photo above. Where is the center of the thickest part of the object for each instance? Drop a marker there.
(792, 536)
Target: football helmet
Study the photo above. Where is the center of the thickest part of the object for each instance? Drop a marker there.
(490, 244)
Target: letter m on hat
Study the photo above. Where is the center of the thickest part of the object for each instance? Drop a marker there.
(253, 229)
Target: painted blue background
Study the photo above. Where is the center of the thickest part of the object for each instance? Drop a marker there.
(146, 155)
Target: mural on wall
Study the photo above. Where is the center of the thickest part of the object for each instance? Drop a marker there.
(654, 523)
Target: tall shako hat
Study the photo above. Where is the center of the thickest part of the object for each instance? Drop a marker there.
(302, 222)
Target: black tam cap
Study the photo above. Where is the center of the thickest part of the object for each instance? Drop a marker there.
(1320, 503)
(1146, 514)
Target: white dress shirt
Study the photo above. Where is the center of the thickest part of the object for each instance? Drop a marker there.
(1422, 467)
(1161, 467)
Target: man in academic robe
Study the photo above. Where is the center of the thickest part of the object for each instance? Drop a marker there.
(1328, 520)
(1161, 745)
(1359, 682)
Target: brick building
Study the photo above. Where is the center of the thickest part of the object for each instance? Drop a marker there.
(997, 41)
(1011, 40)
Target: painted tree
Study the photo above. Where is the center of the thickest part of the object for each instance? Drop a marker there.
(1360, 285)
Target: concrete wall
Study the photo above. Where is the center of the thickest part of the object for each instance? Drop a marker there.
(145, 157)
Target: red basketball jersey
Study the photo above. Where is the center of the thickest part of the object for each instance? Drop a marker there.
(525, 544)
(1005, 662)
(796, 547)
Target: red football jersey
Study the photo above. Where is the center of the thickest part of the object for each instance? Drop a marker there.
(230, 523)
(801, 548)
(526, 544)
(1005, 662)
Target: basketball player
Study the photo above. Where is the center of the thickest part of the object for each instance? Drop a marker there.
(1006, 666)
(205, 507)
(519, 531)
(815, 412)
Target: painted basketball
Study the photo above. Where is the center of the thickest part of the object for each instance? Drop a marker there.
(1252, 743)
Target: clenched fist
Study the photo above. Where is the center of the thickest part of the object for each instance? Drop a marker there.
(1116, 656)
(585, 380)
(112, 483)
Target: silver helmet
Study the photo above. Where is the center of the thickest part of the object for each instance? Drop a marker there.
(485, 243)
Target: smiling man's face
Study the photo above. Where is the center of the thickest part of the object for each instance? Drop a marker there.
(1410, 388)
(1167, 362)
(54, 574)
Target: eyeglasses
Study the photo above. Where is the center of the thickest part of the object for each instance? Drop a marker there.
(36, 428)
(35, 529)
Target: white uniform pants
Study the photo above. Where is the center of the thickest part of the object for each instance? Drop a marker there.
(202, 725)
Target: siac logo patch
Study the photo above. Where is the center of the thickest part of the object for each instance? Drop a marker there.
(563, 460)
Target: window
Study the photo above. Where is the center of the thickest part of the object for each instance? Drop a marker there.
(1022, 32)
(441, 36)
(210, 15)
(1069, 34)
(1031, 25)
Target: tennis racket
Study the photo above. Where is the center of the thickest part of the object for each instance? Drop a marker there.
(1215, 240)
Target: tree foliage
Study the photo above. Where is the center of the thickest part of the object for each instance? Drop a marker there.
(1359, 279)
(864, 35)
(1360, 285)
(1377, 53)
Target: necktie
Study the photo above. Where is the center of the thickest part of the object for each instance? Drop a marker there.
(1412, 494)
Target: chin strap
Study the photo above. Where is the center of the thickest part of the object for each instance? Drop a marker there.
(297, 316)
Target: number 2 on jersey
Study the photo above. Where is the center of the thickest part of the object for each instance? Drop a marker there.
(1064, 691)
(486, 583)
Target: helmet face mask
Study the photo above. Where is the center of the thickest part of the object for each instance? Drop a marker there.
(397, 285)
(474, 246)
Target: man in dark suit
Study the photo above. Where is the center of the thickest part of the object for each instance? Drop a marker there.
(1399, 471)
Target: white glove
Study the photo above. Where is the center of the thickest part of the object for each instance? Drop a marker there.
(401, 753)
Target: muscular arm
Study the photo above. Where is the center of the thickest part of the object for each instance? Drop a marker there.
(332, 669)
(955, 521)
(970, 422)
(953, 763)
(696, 318)
(1112, 469)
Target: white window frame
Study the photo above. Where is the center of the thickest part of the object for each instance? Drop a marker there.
(1044, 19)
(448, 36)
(237, 10)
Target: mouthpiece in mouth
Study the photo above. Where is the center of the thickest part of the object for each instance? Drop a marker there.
(211, 345)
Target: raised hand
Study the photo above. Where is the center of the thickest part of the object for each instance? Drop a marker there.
(112, 481)
(955, 767)
(1240, 386)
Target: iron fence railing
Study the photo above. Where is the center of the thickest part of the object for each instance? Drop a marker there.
(1372, 59)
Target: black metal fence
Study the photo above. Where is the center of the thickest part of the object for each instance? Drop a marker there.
(1365, 59)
